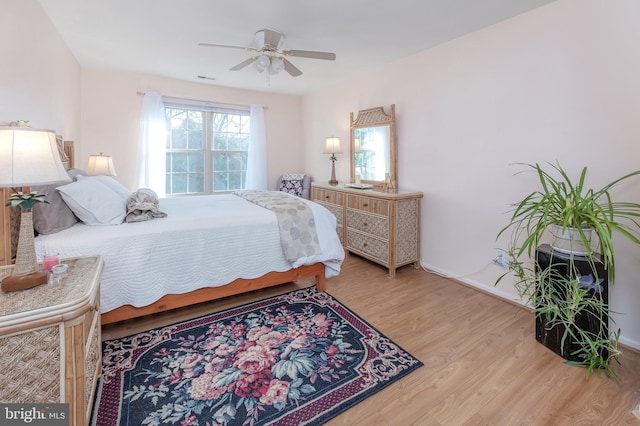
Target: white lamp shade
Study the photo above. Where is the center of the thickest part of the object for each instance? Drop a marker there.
(262, 63)
(332, 145)
(29, 157)
(356, 145)
(277, 65)
(101, 165)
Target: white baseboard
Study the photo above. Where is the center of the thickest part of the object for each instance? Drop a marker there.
(634, 344)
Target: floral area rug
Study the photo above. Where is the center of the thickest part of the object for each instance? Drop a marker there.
(299, 358)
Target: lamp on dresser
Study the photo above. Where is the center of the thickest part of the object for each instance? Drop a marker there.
(332, 146)
(28, 157)
(100, 165)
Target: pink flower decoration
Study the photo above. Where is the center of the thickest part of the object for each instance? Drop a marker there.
(255, 359)
(277, 392)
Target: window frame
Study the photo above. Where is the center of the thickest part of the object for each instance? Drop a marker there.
(207, 109)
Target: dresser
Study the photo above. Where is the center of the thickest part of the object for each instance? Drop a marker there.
(383, 227)
(50, 342)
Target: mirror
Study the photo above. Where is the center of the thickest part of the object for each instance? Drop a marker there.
(373, 148)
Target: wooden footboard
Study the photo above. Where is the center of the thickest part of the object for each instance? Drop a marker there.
(238, 286)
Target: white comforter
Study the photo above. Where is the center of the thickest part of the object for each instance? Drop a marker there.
(205, 241)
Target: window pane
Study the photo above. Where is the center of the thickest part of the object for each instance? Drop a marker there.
(195, 140)
(219, 141)
(196, 163)
(235, 161)
(178, 139)
(179, 163)
(220, 181)
(196, 183)
(187, 144)
(231, 134)
(235, 180)
(237, 143)
(179, 183)
(185, 129)
(185, 172)
(220, 162)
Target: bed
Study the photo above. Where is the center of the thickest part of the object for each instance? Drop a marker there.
(207, 247)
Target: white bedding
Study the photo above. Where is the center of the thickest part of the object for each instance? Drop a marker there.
(205, 241)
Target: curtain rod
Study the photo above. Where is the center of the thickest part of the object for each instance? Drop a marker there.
(140, 93)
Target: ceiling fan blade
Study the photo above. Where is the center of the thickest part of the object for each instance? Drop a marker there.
(272, 37)
(222, 45)
(290, 68)
(311, 54)
(244, 63)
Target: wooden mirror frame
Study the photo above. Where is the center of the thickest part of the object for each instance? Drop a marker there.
(376, 117)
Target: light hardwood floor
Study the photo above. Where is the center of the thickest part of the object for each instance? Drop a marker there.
(483, 365)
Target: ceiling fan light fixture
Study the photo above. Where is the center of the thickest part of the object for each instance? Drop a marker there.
(263, 63)
(277, 65)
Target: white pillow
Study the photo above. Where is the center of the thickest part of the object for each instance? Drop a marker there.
(111, 183)
(94, 202)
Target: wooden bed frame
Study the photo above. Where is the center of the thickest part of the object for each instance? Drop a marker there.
(172, 301)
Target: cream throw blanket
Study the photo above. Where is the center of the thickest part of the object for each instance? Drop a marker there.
(143, 204)
(298, 234)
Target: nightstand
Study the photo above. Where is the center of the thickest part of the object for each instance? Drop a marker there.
(50, 343)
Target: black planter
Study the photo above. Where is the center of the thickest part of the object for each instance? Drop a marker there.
(590, 321)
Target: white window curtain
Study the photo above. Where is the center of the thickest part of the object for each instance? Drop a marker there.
(257, 156)
(152, 147)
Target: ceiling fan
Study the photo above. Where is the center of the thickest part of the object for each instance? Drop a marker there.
(269, 55)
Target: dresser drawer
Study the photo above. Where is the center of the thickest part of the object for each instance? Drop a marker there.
(336, 210)
(367, 245)
(328, 196)
(368, 223)
(368, 204)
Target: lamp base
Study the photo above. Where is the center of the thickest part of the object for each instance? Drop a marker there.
(24, 282)
(333, 181)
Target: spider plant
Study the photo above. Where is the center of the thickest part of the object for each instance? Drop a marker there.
(559, 299)
(560, 201)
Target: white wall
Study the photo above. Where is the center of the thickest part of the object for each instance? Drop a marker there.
(111, 115)
(39, 77)
(557, 83)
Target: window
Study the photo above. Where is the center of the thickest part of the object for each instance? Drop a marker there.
(207, 148)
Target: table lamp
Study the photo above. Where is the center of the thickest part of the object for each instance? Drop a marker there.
(100, 165)
(332, 146)
(28, 157)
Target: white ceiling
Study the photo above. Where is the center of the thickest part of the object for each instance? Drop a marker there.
(161, 37)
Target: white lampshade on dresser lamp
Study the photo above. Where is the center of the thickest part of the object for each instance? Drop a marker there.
(28, 157)
(332, 146)
(100, 165)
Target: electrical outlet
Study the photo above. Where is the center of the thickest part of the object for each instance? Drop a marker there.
(500, 258)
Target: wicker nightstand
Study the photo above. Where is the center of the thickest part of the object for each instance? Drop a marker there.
(50, 346)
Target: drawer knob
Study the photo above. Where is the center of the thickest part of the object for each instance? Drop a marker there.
(326, 196)
(366, 205)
